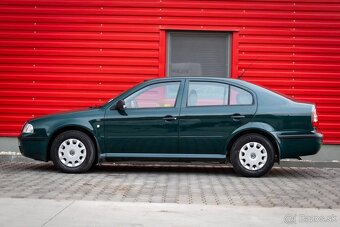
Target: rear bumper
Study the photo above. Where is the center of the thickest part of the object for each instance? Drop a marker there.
(296, 145)
(33, 147)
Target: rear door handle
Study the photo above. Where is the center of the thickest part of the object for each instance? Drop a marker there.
(169, 118)
(237, 117)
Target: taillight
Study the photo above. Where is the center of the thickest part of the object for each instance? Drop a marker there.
(315, 121)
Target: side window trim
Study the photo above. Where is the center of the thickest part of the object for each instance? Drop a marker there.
(229, 94)
(226, 104)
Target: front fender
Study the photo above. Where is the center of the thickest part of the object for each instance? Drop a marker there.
(91, 127)
(58, 126)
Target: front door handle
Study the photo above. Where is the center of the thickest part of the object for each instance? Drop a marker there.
(237, 117)
(169, 118)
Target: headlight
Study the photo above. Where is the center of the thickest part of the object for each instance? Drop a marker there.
(28, 129)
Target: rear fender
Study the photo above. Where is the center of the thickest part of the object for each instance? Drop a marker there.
(255, 127)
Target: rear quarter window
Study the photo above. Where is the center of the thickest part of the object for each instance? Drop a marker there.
(240, 96)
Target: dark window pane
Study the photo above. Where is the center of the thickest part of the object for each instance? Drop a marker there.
(198, 54)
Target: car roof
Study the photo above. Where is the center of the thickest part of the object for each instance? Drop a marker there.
(194, 77)
(221, 79)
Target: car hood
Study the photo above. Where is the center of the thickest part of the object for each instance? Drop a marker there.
(80, 113)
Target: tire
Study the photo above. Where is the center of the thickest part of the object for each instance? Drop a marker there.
(73, 152)
(252, 155)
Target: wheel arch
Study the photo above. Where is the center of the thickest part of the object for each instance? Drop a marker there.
(75, 128)
(262, 132)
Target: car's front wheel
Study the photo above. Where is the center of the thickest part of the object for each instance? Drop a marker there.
(73, 152)
(252, 155)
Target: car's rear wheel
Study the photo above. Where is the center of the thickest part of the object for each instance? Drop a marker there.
(252, 155)
(73, 152)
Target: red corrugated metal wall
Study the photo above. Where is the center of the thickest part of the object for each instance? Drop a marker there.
(66, 54)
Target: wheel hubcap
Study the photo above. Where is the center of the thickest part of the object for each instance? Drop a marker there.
(72, 152)
(253, 156)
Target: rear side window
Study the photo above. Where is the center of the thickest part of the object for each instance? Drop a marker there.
(207, 94)
(239, 96)
(217, 94)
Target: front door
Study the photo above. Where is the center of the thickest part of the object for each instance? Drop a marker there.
(149, 125)
(210, 112)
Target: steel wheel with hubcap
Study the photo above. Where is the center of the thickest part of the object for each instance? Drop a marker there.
(73, 152)
(252, 155)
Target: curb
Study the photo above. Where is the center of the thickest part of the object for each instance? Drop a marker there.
(308, 163)
(11, 156)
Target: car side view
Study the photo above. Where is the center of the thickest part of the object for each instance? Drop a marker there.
(179, 119)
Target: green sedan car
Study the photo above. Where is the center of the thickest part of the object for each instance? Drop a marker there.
(179, 119)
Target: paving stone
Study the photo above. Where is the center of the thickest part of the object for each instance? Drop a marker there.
(174, 183)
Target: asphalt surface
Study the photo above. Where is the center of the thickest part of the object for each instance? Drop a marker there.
(174, 183)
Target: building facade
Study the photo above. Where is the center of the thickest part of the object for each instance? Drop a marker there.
(63, 55)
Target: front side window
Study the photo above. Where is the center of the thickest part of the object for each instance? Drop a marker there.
(207, 94)
(154, 96)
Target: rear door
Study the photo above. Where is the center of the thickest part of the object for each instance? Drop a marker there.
(210, 112)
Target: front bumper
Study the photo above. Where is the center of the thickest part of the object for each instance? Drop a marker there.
(296, 145)
(33, 147)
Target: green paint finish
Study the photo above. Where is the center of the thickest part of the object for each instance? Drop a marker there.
(34, 148)
(143, 130)
(182, 132)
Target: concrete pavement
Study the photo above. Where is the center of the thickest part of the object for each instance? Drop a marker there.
(41, 212)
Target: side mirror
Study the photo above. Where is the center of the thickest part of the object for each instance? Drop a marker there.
(120, 105)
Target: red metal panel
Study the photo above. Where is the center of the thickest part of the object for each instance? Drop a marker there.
(68, 54)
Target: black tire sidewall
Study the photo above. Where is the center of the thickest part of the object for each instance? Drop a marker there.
(235, 150)
(90, 151)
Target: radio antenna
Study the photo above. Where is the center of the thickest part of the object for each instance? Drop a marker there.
(240, 76)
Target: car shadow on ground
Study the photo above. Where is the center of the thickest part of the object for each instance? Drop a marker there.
(165, 168)
(203, 168)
